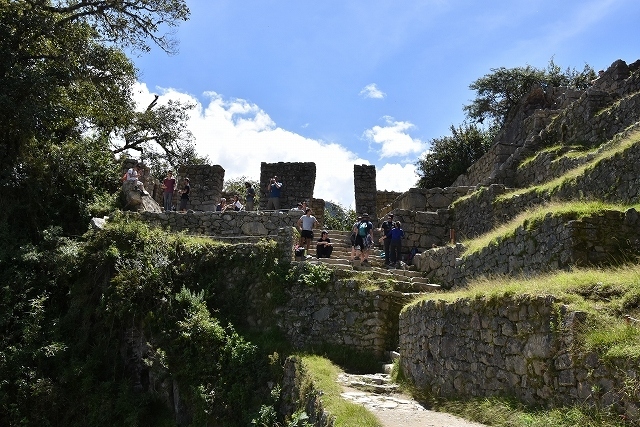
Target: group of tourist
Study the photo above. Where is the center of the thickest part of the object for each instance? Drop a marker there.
(134, 175)
(233, 205)
(362, 230)
(391, 239)
(305, 225)
(392, 234)
(169, 186)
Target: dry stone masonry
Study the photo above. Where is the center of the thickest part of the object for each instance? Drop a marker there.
(364, 183)
(520, 348)
(298, 181)
(206, 186)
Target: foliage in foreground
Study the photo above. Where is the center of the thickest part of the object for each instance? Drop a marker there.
(68, 309)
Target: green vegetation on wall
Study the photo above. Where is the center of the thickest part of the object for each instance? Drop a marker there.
(99, 331)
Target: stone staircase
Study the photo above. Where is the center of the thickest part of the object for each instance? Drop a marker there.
(405, 279)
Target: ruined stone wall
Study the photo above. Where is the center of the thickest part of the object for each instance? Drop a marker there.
(225, 224)
(602, 111)
(559, 116)
(298, 182)
(429, 200)
(534, 112)
(614, 179)
(384, 202)
(298, 393)
(422, 229)
(206, 186)
(364, 183)
(555, 243)
(342, 314)
(317, 209)
(515, 347)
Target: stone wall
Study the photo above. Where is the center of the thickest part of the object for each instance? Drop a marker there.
(602, 111)
(614, 179)
(428, 200)
(341, 314)
(533, 113)
(559, 116)
(515, 347)
(423, 229)
(384, 202)
(298, 182)
(231, 227)
(364, 184)
(555, 243)
(206, 183)
(317, 209)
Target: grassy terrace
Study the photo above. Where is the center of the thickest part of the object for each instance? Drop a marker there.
(530, 218)
(609, 297)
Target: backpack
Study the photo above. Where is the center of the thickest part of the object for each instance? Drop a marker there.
(363, 229)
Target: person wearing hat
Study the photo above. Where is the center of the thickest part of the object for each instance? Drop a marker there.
(385, 227)
(364, 238)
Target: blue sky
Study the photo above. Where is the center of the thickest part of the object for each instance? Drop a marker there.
(362, 82)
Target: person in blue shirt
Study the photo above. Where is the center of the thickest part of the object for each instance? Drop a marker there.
(273, 189)
(395, 236)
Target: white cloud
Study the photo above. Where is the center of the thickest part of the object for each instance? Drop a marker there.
(372, 91)
(239, 135)
(396, 177)
(394, 139)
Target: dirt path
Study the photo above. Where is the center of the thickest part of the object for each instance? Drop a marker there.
(399, 410)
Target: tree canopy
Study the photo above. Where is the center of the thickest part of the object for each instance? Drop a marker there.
(65, 92)
(450, 156)
(499, 91)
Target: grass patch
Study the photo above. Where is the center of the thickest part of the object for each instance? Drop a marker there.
(507, 413)
(324, 375)
(529, 219)
(609, 297)
(606, 151)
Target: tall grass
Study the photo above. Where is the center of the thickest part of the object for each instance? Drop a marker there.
(324, 375)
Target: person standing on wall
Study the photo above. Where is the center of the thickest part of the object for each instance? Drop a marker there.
(250, 196)
(385, 227)
(168, 187)
(184, 195)
(305, 225)
(274, 189)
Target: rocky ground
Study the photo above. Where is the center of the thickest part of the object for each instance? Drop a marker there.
(392, 408)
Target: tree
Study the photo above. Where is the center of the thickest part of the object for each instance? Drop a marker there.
(450, 156)
(65, 92)
(337, 217)
(499, 91)
(236, 186)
